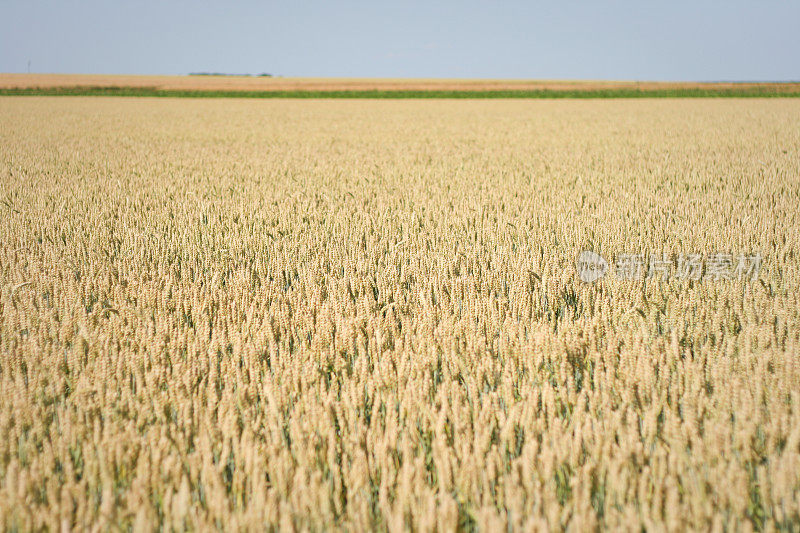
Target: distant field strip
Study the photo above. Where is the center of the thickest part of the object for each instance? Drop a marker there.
(750, 92)
(279, 87)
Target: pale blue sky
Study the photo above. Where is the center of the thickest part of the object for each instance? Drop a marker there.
(625, 39)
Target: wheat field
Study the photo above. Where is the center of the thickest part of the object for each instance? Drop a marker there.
(367, 315)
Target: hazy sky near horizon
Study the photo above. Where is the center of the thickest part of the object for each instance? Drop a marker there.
(624, 39)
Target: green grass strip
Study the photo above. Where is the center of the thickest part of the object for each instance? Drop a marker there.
(749, 92)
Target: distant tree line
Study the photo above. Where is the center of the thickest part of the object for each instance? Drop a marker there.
(262, 75)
